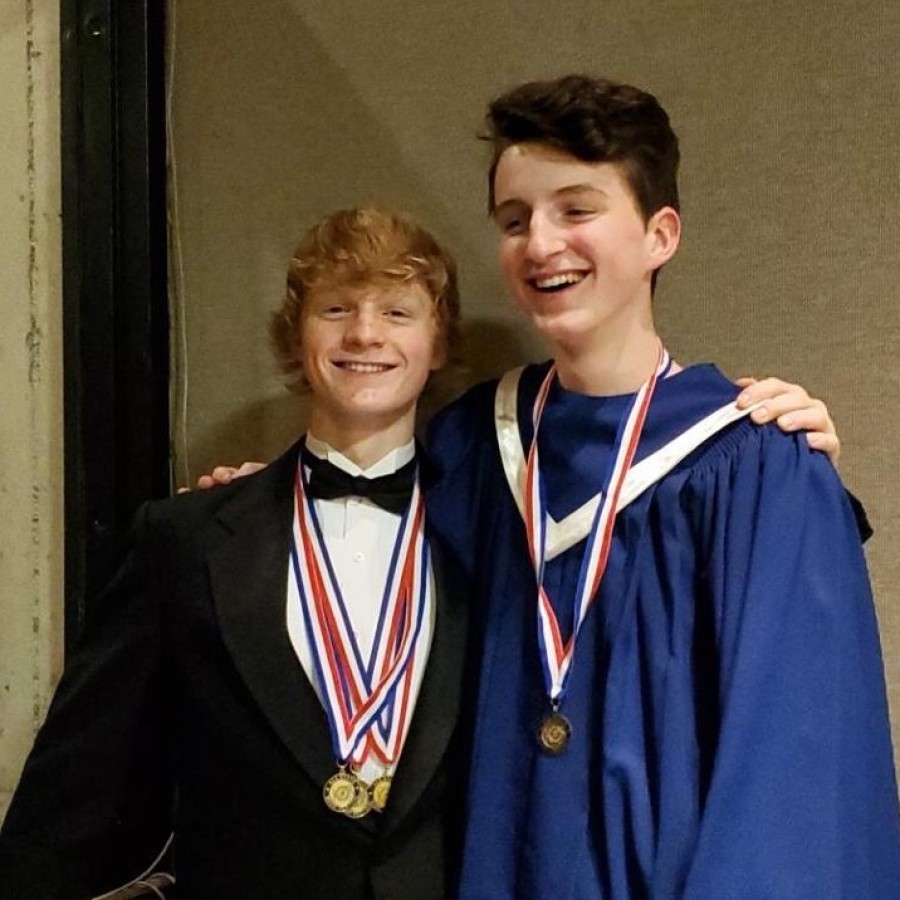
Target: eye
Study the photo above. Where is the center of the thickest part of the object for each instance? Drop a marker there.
(577, 213)
(399, 313)
(511, 218)
(511, 225)
(333, 311)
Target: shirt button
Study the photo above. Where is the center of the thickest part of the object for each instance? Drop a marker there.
(359, 556)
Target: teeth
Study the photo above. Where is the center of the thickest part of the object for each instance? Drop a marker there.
(367, 368)
(553, 281)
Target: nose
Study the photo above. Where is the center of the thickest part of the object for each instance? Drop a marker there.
(545, 239)
(364, 328)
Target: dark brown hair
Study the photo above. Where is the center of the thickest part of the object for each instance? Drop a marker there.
(594, 120)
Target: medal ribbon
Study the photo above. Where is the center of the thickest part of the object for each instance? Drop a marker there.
(366, 702)
(556, 654)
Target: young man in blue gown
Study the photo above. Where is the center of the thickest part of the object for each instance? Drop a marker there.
(679, 689)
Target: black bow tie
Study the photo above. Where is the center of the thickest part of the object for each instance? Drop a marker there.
(390, 492)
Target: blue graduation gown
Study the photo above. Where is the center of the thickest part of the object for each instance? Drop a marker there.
(730, 728)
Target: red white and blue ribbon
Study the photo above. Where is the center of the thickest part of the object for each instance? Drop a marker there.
(367, 701)
(557, 654)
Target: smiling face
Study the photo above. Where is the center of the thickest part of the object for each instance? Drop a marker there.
(575, 250)
(367, 352)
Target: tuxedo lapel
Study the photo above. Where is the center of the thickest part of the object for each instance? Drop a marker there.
(248, 573)
(438, 705)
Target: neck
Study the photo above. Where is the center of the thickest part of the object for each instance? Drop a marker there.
(609, 363)
(363, 444)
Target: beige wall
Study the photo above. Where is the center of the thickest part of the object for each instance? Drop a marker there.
(789, 121)
(30, 378)
(789, 115)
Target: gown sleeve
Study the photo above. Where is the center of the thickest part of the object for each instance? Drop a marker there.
(862, 517)
(461, 485)
(802, 799)
(94, 804)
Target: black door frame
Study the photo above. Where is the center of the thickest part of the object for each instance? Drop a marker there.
(115, 306)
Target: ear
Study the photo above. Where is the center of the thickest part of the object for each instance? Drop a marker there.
(439, 353)
(663, 236)
(441, 335)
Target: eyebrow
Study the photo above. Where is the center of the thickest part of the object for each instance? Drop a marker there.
(584, 187)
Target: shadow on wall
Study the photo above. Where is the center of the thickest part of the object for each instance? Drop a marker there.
(488, 349)
(262, 429)
(257, 430)
(268, 141)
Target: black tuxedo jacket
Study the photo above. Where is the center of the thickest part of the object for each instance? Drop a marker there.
(185, 708)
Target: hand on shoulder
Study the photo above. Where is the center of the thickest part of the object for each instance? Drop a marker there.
(225, 475)
(791, 408)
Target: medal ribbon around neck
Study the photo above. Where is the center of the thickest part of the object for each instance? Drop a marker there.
(557, 655)
(366, 702)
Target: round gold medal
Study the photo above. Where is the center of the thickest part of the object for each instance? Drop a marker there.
(340, 791)
(360, 805)
(554, 733)
(378, 792)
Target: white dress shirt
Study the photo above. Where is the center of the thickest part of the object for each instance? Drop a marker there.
(359, 538)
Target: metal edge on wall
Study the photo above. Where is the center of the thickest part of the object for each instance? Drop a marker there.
(115, 314)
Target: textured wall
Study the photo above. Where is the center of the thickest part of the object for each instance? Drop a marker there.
(790, 125)
(30, 378)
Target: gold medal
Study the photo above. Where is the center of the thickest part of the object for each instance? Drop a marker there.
(554, 733)
(341, 791)
(378, 792)
(360, 806)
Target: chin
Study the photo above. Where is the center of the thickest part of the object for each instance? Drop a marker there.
(564, 328)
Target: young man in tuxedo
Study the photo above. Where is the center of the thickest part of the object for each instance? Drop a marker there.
(273, 675)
